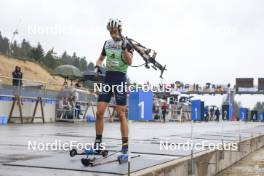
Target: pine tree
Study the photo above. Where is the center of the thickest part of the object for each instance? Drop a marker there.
(75, 60)
(25, 49)
(4, 44)
(83, 64)
(37, 53)
(91, 66)
(49, 59)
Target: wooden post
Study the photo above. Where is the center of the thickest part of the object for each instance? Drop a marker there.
(35, 110)
(20, 109)
(12, 109)
(42, 110)
(18, 100)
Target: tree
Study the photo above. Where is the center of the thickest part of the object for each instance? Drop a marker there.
(4, 44)
(83, 64)
(66, 59)
(49, 59)
(91, 66)
(25, 49)
(75, 60)
(37, 53)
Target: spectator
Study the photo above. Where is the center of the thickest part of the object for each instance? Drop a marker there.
(164, 111)
(66, 103)
(224, 115)
(61, 103)
(65, 83)
(217, 114)
(17, 76)
(211, 114)
(67, 108)
(197, 87)
(77, 110)
(78, 85)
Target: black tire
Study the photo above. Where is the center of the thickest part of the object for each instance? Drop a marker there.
(104, 153)
(73, 152)
(86, 162)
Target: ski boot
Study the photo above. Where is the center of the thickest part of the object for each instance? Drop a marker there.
(97, 149)
(123, 158)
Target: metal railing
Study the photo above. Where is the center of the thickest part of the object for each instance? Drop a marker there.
(30, 90)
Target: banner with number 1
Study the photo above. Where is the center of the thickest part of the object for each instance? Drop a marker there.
(140, 105)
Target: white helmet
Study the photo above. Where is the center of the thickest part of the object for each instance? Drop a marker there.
(114, 23)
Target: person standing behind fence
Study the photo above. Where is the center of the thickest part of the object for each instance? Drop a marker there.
(17, 76)
(217, 114)
(164, 111)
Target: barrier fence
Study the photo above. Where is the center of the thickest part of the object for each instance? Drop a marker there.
(69, 101)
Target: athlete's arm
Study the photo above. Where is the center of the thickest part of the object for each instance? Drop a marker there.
(100, 60)
(128, 56)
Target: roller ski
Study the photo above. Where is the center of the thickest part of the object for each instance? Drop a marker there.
(122, 158)
(89, 152)
(98, 161)
(97, 149)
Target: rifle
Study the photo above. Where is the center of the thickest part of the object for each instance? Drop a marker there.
(147, 54)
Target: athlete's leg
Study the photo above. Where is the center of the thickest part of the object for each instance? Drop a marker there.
(103, 100)
(99, 124)
(121, 100)
(121, 113)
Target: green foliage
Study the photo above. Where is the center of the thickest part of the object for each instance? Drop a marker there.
(91, 66)
(50, 59)
(25, 49)
(4, 44)
(37, 53)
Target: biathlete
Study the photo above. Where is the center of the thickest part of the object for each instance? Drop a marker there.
(118, 54)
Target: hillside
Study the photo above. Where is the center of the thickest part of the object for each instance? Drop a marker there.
(31, 71)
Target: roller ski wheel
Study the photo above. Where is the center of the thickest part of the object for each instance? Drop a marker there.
(123, 158)
(91, 151)
(87, 162)
(104, 153)
(73, 152)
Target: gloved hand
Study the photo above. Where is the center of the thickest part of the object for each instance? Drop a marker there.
(97, 70)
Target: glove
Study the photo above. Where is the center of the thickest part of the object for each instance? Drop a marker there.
(97, 70)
